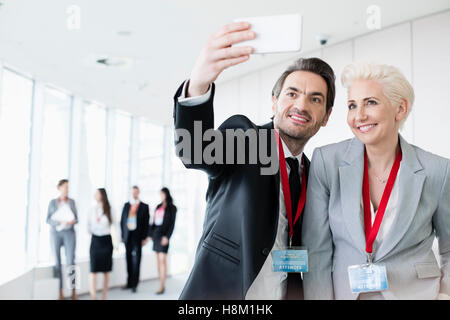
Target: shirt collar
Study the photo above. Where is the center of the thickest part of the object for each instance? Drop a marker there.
(66, 200)
(288, 154)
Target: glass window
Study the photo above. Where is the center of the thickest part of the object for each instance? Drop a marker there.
(120, 185)
(54, 159)
(150, 159)
(15, 124)
(92, 170)
(95, 130)
(188, 188)
(150, 162)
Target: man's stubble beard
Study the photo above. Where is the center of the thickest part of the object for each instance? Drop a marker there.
(298, 138)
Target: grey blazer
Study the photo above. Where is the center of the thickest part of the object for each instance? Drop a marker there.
(53, 206)
(333, 225)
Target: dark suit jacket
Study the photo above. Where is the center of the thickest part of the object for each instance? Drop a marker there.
(142, 221)
(241, 218)
(166, 229)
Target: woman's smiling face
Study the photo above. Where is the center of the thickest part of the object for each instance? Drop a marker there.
(371, 115)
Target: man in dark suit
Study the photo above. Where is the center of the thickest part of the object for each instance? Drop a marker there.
(134, 226)
(247, 211)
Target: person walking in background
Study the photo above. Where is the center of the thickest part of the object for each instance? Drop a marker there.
(101, 250)
(134, 225)
(160, 231)
(62, 216)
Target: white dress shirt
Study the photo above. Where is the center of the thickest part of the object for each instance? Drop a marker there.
(63, 214)
(192, 101)
(268, 285)
(98, 222)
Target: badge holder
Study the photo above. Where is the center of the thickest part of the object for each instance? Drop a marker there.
(368, 277)
(290, 259)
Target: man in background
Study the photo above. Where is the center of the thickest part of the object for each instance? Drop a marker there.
(134, 226)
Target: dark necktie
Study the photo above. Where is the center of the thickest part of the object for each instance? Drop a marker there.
(294, 184)
(294, 289)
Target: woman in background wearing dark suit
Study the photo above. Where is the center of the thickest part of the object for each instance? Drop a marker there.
(160, 231)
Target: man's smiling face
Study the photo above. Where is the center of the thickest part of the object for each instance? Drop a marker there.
(300, 109)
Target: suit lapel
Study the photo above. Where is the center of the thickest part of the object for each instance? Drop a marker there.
(410, 189)
(350, 180)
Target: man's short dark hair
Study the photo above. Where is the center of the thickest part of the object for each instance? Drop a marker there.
(62, 181)
(314, 65)
(135, 187)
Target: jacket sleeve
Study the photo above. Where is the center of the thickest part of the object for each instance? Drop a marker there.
(122, 223)
(191, 122)
(50, 212)
(171, 221)
(441, 222)
(145, 221)
(75, 212)
(200, 146)
(316, 234)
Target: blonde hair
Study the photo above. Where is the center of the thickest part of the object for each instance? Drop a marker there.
(395, 86)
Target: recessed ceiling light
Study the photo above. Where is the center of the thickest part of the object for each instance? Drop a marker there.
(124, 33)
(142, 86)
(114, 61)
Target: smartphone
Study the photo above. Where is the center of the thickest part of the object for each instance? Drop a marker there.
(281, 33)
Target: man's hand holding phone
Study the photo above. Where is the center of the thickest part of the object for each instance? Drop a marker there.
(219, 54)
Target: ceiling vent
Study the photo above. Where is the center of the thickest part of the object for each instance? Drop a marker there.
(107, 61)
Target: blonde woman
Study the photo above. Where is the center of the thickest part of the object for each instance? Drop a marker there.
(376, 203)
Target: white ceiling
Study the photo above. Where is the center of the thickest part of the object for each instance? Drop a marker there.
(166, 36)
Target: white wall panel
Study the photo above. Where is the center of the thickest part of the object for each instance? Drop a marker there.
(431, 66)
(390, 46)
(268, 78)
(337, 56)
(249, 96)
(226, 101)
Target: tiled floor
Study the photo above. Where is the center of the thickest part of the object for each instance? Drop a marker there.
(146, 290)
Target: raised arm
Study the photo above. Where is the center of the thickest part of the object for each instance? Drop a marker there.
(193, 101)
(171, 222)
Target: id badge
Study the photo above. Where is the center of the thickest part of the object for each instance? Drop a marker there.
(367, 278)
(294, 259)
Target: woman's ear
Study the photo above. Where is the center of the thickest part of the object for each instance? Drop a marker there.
(402, 110)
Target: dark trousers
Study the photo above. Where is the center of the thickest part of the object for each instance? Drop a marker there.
(133, 252)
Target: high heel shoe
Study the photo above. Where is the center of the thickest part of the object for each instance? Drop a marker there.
(161, 291)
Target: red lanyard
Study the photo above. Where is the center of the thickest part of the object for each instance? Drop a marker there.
(134, 208)
(372, 231)
(286, 190)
